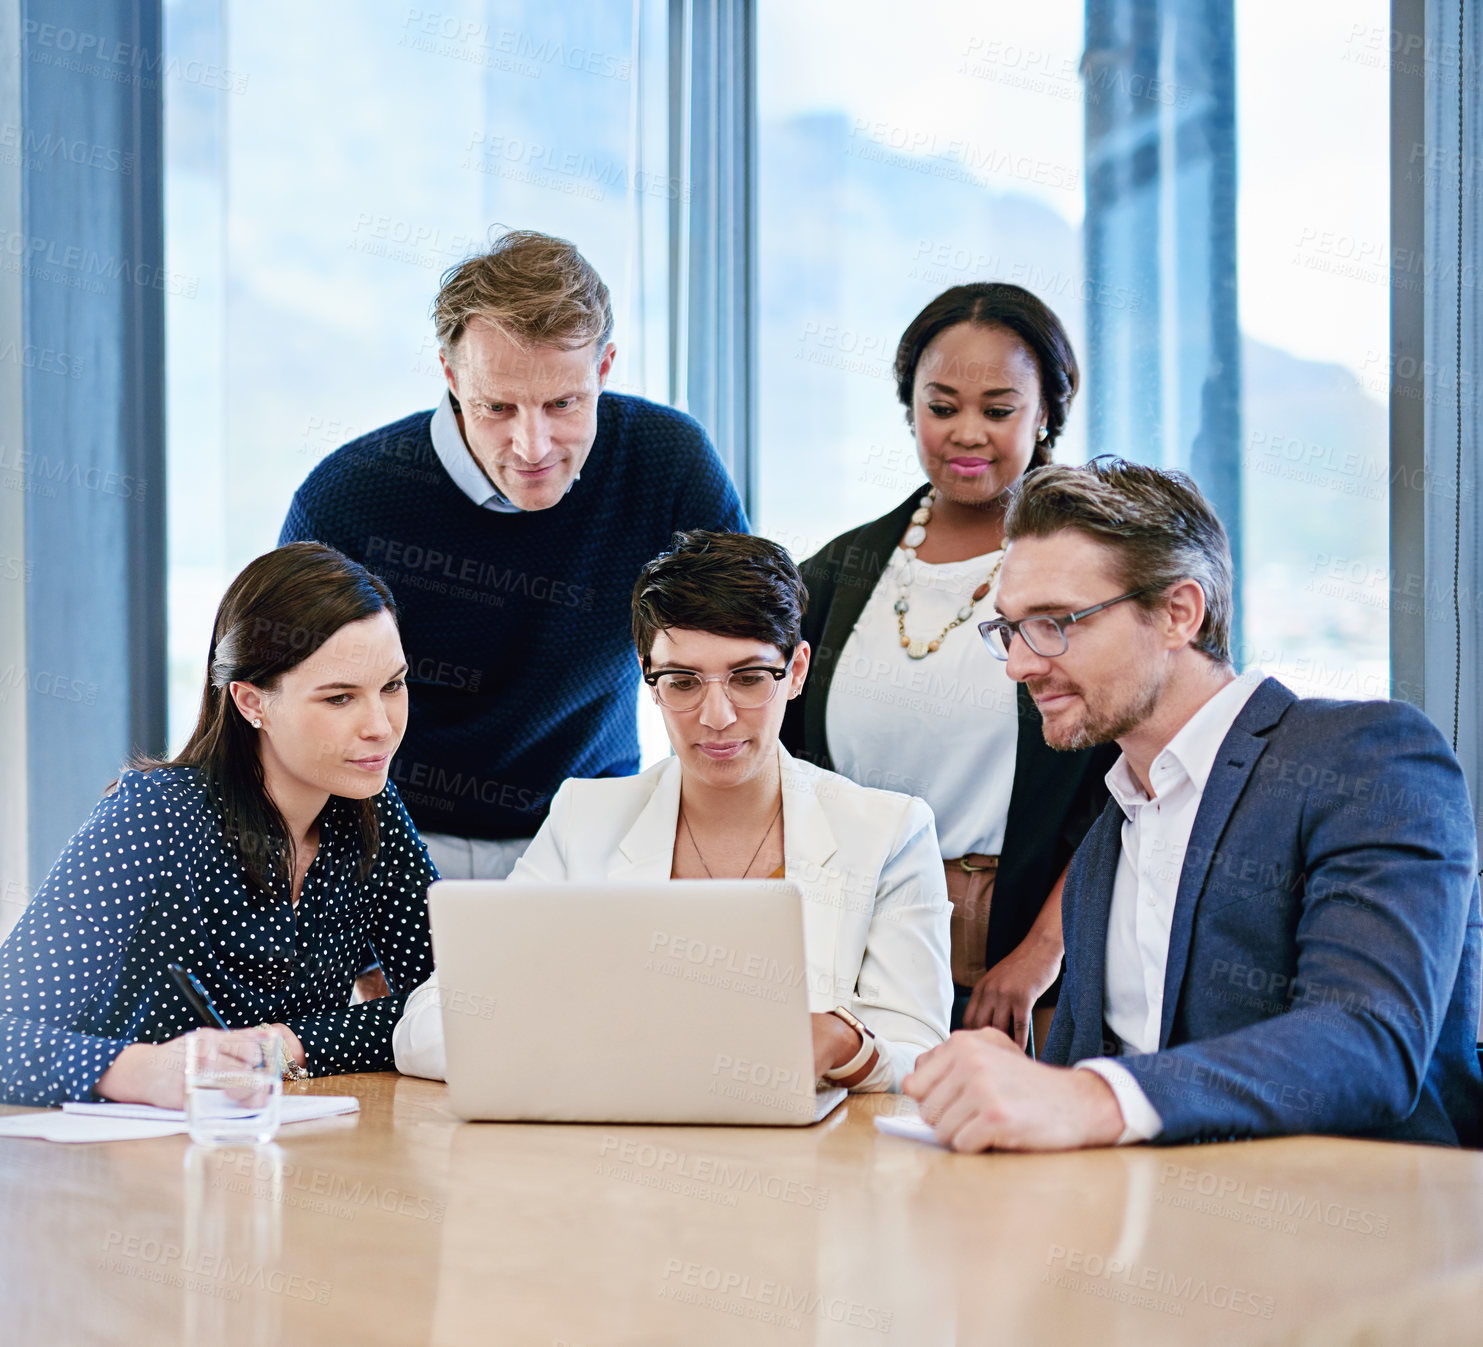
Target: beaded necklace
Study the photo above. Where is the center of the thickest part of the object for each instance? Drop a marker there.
(912, 539)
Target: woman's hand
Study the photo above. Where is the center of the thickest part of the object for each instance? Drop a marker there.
(834, 1043)
(291, 1044)
(147, 1073)
(1006, 994)
(154, 1073)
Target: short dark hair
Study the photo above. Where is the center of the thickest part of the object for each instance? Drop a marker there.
(728, 584)
(1012, 307)
(1156, 522)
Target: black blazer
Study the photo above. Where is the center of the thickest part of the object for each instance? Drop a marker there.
(1055, 797)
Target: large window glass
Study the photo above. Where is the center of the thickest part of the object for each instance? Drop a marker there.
(931, 149)
(1313, 225)
(1203, 205)
(356, 150)
(1204, 208)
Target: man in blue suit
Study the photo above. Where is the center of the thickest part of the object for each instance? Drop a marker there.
(1274, 926)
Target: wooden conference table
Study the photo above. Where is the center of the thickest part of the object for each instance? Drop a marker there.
(402, 1226)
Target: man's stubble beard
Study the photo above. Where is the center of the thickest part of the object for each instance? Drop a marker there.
(1110, 724)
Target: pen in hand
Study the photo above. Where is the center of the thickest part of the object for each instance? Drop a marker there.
(195, 996)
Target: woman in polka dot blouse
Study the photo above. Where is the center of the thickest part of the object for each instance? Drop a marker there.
(262, 859)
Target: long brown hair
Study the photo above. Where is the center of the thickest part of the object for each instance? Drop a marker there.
(274, 615)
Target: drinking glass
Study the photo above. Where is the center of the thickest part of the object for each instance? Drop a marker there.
(233, 1087)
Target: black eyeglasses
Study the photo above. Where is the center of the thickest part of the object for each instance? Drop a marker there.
(746, 689)
(1046, 636)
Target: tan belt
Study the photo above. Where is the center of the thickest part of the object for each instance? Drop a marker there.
(970, 887)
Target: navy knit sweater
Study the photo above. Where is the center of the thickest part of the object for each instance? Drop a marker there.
(516, 626)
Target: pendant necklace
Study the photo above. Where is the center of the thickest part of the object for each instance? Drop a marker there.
(755, 854)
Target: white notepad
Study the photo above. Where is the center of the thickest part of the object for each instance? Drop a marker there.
(76, 1121)
(293, 1108)
(54, 1125)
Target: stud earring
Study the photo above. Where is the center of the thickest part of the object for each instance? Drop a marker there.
(1041, 435)
(257, 724)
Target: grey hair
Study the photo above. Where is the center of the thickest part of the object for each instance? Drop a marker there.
(1157, 524)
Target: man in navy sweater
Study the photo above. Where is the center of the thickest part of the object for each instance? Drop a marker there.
(511, 522)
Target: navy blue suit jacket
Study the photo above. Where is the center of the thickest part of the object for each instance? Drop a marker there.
(1323, 971)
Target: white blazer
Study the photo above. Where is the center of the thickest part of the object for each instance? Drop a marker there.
(875, 905)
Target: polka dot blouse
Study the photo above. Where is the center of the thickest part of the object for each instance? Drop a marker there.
(150, 880)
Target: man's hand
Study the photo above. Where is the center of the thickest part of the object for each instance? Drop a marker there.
(1004, 996)
(980, 1092)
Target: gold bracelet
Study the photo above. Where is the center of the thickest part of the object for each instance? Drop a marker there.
(288, 1069)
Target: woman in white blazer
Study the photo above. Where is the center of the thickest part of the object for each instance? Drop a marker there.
(716, 624)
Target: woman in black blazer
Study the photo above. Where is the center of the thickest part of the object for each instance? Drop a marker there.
(904, 696)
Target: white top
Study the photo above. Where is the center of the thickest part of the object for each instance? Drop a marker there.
(1154, 837)
(944, 727)
(875, 905)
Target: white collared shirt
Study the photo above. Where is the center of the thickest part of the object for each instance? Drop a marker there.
(460, 464)
(1155, 834)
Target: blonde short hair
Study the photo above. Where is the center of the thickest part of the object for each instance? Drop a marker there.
(536, 289)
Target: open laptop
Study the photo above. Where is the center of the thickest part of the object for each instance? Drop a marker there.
(681, 1002)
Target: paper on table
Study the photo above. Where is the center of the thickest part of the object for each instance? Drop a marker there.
(78, 1121)
(54, 1126)
(912, 1126)
(295, 1108)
